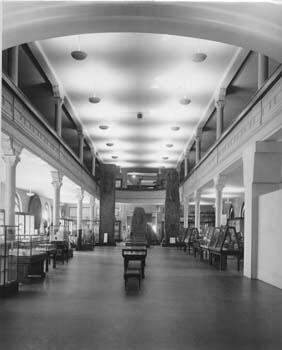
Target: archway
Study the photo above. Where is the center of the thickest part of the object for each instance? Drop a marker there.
(241, 24)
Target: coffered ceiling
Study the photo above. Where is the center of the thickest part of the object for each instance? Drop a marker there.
(132, 73)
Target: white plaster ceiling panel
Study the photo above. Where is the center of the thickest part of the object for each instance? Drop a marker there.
(131, 73)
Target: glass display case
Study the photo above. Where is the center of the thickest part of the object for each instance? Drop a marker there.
(117, 230)
(238, 223)
(8, 260)
(87, 241)
(25, 221)
(31, 257)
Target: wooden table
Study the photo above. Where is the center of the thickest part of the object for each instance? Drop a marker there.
(134, 254)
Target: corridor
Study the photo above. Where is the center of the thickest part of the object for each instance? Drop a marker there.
(183, 304)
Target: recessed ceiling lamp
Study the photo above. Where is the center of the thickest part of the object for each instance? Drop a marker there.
(103, 127)
(30, 193)
(139, 115)
(169, 145)
(109, 144)
(78, 54)
(94, 99)
(175, 128)
(185, 101)
(115, 157)
(165, 158)
(199, 57)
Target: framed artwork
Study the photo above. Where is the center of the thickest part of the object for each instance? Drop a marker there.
(118, 183)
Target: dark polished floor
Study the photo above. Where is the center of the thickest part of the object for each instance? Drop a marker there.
(183, 304)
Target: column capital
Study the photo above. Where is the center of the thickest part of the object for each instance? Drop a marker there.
(219, 181)
(11, 150)
(57, 93)
(92, 200)
(221, 94)
(219, 104)
(57, 178)
(80, 194)
(80, 133)
(197, 195)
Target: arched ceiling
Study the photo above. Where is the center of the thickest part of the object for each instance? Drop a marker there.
(255, 26)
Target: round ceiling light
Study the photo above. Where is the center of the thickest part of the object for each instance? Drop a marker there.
(94, 99)
(175, 128)
(103, 127)
(115, 157)
(109, 144)
(185, 101)
(169, 145)
(78, 55)
(199, 57)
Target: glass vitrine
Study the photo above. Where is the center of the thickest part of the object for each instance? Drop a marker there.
(8, 260)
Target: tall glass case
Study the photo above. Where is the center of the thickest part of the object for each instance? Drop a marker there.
(25, 221)
(8, 260)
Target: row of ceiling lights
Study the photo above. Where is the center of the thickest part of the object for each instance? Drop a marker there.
(80, 55)
(111, 144)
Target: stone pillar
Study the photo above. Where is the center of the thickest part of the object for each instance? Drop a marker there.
(58, 114)
(262, 174)
(81, 144)
(262, 69)
(172, 205)
(219, 104)
(186, 211)
(57, 178)
(219, 182)
(197, 200)
(124, 178)
(186, 164)
(13, 65)
(92, 213)
(107, 203)
(198, 146)
(11, 155)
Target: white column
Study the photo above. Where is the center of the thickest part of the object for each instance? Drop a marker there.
(92, 212)
(11, 155)
(186, 211)
(58, 113)
(197, 200)
(219, 182)
(219, 104)
(80, 196)
(198, 147)
(186, 164)
(81, 144)
(262, 70)
(57, 177)
(13, 65)
(262, 174)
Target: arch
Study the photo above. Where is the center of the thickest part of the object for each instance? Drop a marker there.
(242, 212)
(18, 203)
(35, 208)
(241, 24)
(231, 213)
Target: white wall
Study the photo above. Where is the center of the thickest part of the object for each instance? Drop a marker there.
(270, 238)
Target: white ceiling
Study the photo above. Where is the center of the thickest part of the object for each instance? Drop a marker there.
(133, 73)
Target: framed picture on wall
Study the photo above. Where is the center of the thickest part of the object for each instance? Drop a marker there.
(118, 183)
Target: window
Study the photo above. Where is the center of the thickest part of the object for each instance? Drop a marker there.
(18, 204)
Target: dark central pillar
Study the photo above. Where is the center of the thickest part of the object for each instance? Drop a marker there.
(107, 203)
(138, 224)
(172, 205)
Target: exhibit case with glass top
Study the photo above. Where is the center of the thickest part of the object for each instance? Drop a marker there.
(9, 250)
(31, 257)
